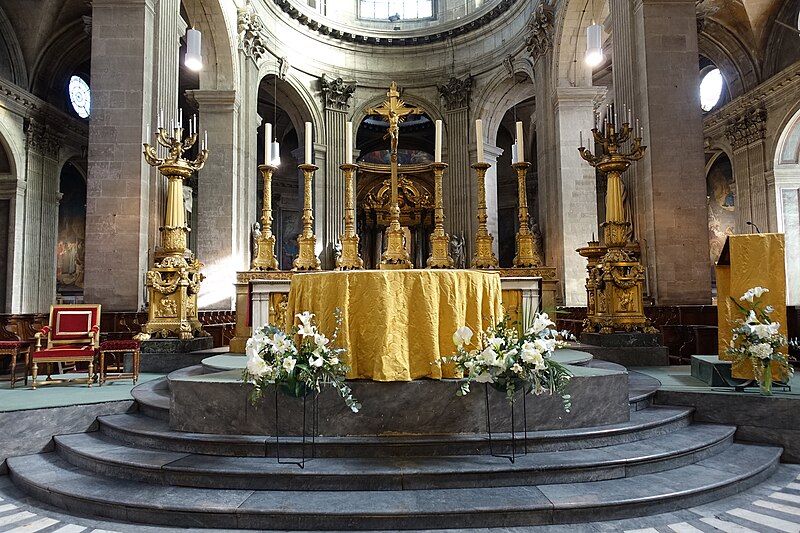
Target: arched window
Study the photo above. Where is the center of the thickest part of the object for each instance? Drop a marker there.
(80, 96)
(395, 10)
(711, 89)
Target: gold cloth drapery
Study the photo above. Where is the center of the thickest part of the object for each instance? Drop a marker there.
(396, 324)
(749, 261)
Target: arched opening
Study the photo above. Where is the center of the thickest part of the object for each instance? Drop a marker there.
(721, 201)
(71, 235)
(415, 153)
(6, 233)
(787, 199)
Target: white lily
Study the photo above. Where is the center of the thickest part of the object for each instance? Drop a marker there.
(315, 360)
(288, 364)
(484, 377)
(306, 328)
(256, 366)
(462, 336)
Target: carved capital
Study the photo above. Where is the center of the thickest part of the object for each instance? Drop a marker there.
(38, 139)
(747, 128)
(252, 34)
(456, 92)
(336, 93)
(540, 31)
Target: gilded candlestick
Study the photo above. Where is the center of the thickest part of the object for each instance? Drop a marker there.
(306, 257)
(440, 241)
(350, 259)
(265, 258)
(484, 256)
(526, 250)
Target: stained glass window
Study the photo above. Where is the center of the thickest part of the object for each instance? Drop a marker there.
(80, 96)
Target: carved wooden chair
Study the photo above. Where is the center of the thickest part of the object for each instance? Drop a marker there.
(112, 353)
(72, 336)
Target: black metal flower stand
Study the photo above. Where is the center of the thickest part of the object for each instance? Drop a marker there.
(314, 416)
(513, 456)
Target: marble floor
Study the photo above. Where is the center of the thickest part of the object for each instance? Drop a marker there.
(772, 506)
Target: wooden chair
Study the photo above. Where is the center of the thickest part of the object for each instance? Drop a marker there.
(15, 349)
(72, 334)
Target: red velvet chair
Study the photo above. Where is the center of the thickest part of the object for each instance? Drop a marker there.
(72, 334)
(15, 349)
(112, 353)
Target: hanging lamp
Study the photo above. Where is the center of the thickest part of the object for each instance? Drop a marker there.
(193, 59)
(594, 45)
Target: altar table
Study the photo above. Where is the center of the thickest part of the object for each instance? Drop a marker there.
(397, 323)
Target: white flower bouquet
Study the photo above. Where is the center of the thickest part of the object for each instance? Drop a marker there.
(509, 358)
(756, 338)
(299, 361)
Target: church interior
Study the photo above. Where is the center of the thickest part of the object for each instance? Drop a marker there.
(176, 174)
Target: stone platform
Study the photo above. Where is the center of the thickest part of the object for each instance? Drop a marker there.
(626, 349)
(166, 355)
(421, 407)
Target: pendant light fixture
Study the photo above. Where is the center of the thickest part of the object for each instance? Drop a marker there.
(594, 43)
(193, 59)
(275, 147)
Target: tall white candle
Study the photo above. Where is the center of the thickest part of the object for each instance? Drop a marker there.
(205, 139)
(180, 118)
(438, 145)
(348, 143)
(479, 139)
(520, 144)
(308, 143)
(267, 142)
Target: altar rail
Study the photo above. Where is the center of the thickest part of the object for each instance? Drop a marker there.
(688, 329)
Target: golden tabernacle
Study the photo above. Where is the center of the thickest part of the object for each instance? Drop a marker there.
(749, 261)
(397, 324)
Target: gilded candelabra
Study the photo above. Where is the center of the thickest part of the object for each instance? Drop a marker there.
(174, 281)
(484, 256)
(440, 241)
(615, 283)
(349, 260)
(527, 256)
(306, 257)
(264, 258)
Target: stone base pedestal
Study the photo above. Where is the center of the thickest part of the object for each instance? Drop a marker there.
(627, 349)
(166, 355)
(711, 370)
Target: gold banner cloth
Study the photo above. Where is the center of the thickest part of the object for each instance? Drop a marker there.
(749, 261)
(397, 323)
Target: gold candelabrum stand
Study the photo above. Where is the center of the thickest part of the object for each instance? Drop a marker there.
(615, 277)
(349, 259)
(527, 256)
(265, 258)
(174, 281)
(484, 256)
(440, 241)
(306, 257)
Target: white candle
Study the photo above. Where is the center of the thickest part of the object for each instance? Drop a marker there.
(147, 132)
(205, 139)
(180, 118)
(479, 139)
(160, 119)
(438, 145)
(308, 143)
(267, 141)
(520, 144)
(348, 143)
(581, 134)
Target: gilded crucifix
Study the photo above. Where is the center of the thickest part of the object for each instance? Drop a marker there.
(395, 111)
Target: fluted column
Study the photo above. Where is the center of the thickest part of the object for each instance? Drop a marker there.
(118, 212)
(458, 187)
(746, 133)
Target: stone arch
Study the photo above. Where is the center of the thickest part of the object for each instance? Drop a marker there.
(9, 47)
(431, 109)
(726, 51)
(781, 49)
(15, 152)
(62, 56)
(503, 93)
(787, 196)
(569, 40)
(219, 43)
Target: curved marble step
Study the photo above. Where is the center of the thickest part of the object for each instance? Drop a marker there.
(145, 432)
(101, 455)
(52, 480)
(152, 398)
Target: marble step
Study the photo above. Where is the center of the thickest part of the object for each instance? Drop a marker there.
(145, 432)
(152, 398)
(98, 454)
(56, 482)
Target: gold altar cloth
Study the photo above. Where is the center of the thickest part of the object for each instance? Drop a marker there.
(396, 323)
(749, 261)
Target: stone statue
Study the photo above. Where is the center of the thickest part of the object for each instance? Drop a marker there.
(457, 251)
(255, 236)
(538, 248)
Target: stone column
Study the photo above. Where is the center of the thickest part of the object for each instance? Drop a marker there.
(336, 96)
(217, 198)
(118, 185)
(41, 219)
(672, 174)
(574, 112)
(746, 134)
(319, 199)
(460, 207)
(491, 155)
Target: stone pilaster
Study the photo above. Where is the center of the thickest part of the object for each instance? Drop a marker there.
(746, 133)
(217, 199)
(491, 155)
(459, 206)
(41, 219)
(118, 208)
(672, 170)
(577, 221)
(336, 96)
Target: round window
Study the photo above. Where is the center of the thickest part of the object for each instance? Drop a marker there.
(710, 89)
(79, 96)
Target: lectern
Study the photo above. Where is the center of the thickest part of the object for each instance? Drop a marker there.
(750, 261)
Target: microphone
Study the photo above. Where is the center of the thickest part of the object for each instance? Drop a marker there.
(754, 226)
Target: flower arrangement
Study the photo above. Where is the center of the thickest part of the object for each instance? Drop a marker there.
(508, 358)
(756, 338)
(299, 361)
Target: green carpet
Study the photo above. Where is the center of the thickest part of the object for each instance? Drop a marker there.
(679, 378)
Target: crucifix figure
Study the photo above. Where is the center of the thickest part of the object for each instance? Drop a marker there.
(395, 111)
